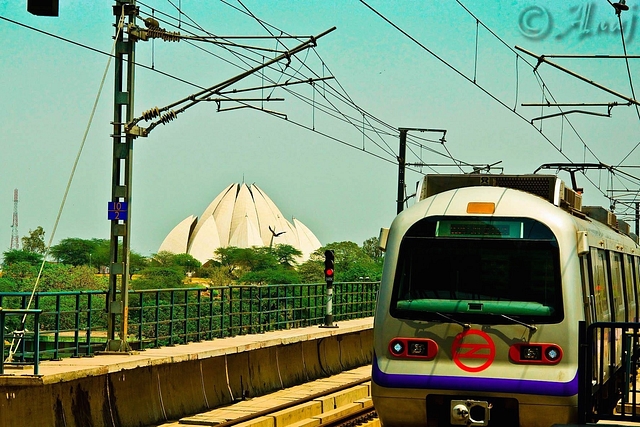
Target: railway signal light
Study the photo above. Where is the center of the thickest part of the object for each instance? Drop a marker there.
(329, 258)
(43, 7)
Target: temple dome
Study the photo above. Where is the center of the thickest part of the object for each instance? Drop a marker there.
(242, 216)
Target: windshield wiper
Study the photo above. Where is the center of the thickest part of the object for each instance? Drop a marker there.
(451, 319)
(532, 328)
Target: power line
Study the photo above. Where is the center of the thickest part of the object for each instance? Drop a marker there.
(538, 77)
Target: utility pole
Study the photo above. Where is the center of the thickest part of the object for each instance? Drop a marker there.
(402, 162)
(119, 210)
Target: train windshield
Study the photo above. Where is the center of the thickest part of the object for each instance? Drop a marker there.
(481, 270)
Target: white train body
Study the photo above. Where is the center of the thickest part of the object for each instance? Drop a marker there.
(482, 291)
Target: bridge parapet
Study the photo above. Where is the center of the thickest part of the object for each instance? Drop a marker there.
(162, 384)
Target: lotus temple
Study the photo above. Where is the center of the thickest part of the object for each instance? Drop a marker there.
(243, 216)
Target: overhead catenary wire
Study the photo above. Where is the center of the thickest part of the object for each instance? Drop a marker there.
(339, 95)
(302, 97)
(495, 98)
(271, 29)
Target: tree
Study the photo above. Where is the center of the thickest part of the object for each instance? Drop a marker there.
(94, 253)
(74, 251)
(34, 242)
(101, 255)
(187, 262)
(286, 255)
(372, 249)
(241, 260)
(137, 263)
(16, 255)
(162, 259)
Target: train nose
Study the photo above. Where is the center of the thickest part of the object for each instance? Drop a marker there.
(470, 413)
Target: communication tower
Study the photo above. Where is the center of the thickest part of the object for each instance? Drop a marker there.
(15, 242)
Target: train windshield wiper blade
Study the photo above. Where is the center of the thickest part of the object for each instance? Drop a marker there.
(451, 319)
(532, 328)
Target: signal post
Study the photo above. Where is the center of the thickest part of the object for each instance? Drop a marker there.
(329, 258)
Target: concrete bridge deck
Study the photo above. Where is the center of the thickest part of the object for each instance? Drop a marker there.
(167, 383)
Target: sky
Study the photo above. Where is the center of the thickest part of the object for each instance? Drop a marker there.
(331, 163)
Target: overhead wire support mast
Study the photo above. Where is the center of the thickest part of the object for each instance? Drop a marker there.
(402, 161)
(132, 127)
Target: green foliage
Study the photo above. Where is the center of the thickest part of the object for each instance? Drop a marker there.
(184, 262)
(159, 278)
(372, 249)
(276, 275)
(312, 270)
(61, 277)
(286, 255)
(101, 256)
(22, 274)
(217, 275)
(34, 242)
(259, 265)
(137, 263)
(187, 262)
(95, 253)
(15, 255)
(352, 264)
(55, 277)
(7, 285)
(74, 251)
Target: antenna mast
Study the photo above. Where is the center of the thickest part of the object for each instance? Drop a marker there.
(15, 242)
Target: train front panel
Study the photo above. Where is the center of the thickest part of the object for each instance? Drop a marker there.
(477, 313)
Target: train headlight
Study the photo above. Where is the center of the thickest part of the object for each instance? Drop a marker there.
(531, 352)
(544, 354)
(419, 348)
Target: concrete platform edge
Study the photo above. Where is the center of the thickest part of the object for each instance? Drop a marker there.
(157, 385)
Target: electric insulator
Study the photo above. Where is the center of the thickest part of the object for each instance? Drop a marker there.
(159, 33)
(151, 114)
(166, 118)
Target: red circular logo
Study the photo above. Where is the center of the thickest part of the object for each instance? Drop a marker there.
(472, 347)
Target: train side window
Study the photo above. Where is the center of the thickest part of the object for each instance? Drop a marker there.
(602, 297)
(587, 288)
(636, 275)
(600, 285)
(615, 271)
(630, 287)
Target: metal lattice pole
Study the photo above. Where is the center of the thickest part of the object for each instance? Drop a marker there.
(15, 241)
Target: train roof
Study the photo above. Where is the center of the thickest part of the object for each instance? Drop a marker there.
(548, 187)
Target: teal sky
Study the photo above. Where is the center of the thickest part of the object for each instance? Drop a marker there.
(323, 178)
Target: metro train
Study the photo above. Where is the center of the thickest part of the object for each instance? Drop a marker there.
(484, 283)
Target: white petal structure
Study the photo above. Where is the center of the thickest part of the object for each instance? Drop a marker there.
(242, 216)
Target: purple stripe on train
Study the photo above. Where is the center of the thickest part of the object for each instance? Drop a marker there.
(500, 385)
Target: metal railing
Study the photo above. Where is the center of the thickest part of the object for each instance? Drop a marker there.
(609, 359)
(18, 338)
(75, 323)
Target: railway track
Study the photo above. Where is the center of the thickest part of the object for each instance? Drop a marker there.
(337, 401)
